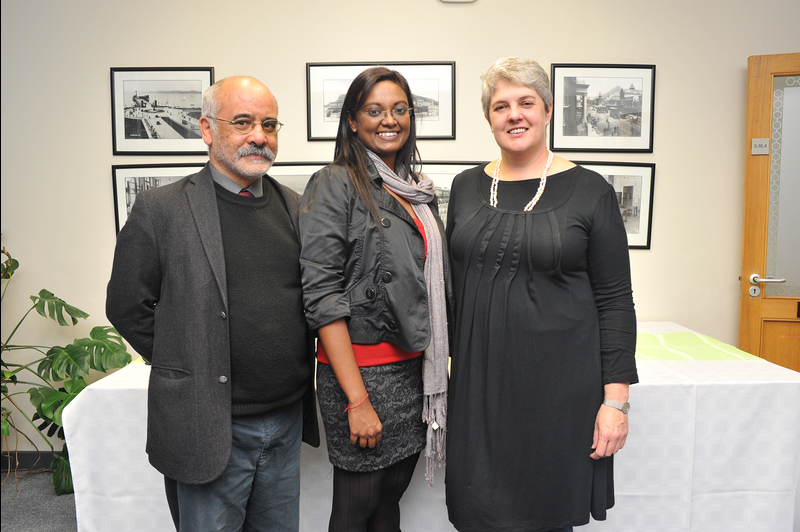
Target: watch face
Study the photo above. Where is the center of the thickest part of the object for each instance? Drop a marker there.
(626, 407)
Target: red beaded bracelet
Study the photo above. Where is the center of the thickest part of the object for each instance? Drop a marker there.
(359, 404)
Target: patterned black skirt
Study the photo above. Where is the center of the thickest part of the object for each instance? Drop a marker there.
(395, 391)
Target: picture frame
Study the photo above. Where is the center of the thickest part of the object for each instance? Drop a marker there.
(129, 180)
(432, 84)
(156, 111)
(634, 184)
(602, 108)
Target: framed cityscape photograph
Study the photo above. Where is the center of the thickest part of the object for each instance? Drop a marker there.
(602, 108)
(633, 183)
(432, 85)
(156, 111)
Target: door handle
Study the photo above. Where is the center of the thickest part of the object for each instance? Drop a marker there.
(755, 279)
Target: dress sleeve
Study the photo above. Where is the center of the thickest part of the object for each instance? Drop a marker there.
(610, 276)
(324, 220)
(135, 285)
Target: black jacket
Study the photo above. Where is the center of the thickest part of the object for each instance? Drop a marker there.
(350, 270)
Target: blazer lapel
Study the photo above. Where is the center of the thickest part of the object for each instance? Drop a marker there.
(202, 200)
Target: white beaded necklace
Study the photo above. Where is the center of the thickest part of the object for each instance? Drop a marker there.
(539, 192)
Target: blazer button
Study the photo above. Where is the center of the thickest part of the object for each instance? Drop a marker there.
(386, 222)
(386, 277)
(223, 315)
(370, 293)
(392, 325)
(223, 379)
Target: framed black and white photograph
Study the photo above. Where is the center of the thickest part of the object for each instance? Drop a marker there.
(131, 179)
(602, 108)
(633, 183)
(432, 85)
(156, 111)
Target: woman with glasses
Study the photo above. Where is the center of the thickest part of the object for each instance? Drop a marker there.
(374, 270)
(545, 330)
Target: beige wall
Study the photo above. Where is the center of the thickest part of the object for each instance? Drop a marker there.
(57, 206)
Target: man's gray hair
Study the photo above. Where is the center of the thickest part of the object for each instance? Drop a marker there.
(525, 71)
(211, 103)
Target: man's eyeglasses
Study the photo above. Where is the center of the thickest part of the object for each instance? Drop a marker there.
(380, 114)
(246, 125)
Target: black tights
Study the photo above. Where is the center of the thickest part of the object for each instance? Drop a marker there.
(370, 502)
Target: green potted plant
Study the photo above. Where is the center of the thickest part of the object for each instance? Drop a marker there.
(52, 380)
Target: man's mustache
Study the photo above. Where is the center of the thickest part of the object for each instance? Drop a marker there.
(262, 151)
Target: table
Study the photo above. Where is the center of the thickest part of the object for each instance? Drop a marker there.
(714, 445)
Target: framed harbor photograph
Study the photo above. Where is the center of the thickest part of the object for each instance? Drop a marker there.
(156, 111)
(602, 108)
(432, 85)
(131, 179)
(633, 183)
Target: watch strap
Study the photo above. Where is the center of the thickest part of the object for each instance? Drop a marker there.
(623, 407)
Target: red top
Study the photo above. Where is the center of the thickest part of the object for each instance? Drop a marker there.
(384, 352)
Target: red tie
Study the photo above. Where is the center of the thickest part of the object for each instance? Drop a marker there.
(245, 192)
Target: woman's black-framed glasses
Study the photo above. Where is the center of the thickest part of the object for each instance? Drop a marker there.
(246, 125)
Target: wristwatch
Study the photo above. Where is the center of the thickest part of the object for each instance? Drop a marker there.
(622, 407)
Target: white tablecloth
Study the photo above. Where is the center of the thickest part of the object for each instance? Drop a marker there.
(713, 445)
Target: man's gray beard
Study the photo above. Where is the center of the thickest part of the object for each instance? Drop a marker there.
(235, 167)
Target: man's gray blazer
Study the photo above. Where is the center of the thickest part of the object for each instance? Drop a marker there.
(168, 298)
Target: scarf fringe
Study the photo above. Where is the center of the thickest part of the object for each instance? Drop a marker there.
(434, 413)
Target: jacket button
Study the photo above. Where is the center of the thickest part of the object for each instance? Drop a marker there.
(223, 379)
(386, 222)
(223, 315)
(370, 293)
(386, 277)
(392, 325)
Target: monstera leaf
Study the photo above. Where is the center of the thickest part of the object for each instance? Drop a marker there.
(60, 363)
(50, 403)
(49, 306)
(106, 349)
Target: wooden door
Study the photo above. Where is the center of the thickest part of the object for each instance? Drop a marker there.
(770, 310)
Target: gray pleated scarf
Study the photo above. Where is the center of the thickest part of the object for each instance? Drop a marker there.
(434, 366)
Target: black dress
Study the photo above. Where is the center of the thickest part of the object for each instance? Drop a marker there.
(544, 318)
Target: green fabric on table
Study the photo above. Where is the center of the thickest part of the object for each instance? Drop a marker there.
(686, 346)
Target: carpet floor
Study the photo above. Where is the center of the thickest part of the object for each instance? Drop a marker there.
(31, 505)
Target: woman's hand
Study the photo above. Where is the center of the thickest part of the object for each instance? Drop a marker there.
(610, 425)
(366, 429)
